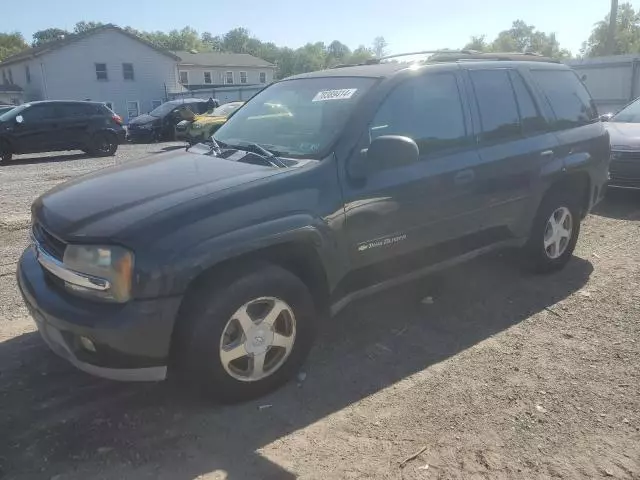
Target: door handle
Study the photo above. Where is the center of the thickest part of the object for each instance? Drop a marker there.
(547, 153)
(463, 177)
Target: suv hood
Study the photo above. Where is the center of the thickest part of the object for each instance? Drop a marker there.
(625, 136)
(102, 205)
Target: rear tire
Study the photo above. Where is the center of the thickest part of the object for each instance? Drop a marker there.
(233, 357)
(104, 145)
(5, 153)
(554, 233)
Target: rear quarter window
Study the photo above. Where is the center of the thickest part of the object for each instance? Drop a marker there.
(567, 97)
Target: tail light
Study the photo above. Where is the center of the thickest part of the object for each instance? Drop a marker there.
(117, 118)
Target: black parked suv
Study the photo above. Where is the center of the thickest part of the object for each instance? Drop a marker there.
(160, 123)
(59, 125)
(216, 264)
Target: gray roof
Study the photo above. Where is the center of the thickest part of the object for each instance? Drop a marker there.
(216, 59)
(74, 37)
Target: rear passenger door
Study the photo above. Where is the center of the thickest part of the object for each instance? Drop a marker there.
(514, 142)
(75, 124)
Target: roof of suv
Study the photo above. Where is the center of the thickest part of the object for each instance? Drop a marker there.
(377, 69)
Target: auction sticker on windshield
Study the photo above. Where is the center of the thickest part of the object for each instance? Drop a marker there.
(341, 94)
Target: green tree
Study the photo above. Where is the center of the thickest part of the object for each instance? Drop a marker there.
(236, 40)
(83, 26)
(48, 35)
(477, 42)
(337, 53)
(212, 43)
(626, 37)
(520, 38)
(10, 44)
(379, 47)
(360, 55)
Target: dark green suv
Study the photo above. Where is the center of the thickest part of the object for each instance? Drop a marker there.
(216, 264)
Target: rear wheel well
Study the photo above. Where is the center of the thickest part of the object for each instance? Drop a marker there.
(579, 185)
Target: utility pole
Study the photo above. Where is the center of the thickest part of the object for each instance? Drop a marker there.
(611, 33)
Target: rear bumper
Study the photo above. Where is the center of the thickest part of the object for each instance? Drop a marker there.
(131, 342)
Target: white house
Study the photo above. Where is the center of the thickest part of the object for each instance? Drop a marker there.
(207, 70)
(108, 64)
(105, 64)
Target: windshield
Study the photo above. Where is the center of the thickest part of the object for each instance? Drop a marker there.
(297, 118)
(163, 109)
(225, 109)
(629, 114)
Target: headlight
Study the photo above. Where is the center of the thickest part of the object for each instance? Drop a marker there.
(197, 126)
(112, 266)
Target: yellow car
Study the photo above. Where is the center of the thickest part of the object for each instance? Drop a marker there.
(201, 127)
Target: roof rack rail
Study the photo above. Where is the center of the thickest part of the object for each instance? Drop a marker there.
(424, 52)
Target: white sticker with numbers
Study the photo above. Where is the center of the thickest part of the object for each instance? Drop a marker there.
(342, 94)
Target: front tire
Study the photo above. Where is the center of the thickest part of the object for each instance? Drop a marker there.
(245, 334)
(554, 233)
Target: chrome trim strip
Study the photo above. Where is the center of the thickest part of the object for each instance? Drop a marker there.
(58, 269)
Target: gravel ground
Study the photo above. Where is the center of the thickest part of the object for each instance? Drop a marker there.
(500, 374)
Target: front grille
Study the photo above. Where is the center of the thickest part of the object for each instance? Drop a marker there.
(625, 156)
(51, 244)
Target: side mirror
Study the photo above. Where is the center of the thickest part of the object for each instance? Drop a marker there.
(385, 152)
(20, 119)
(606, 117)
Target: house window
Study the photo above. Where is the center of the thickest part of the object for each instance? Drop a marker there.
(228, 78)
(133, 109)
(243, 77)
(10, 77)
(101, 71)
(207, 77)
(184, 78)
(263, 77)
(27, 73)
(155, 104)
(127, 71)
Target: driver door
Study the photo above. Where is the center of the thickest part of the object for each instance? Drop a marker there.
(396, 214)
(39, 130)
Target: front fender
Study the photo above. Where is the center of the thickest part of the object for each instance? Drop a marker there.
(185, 266)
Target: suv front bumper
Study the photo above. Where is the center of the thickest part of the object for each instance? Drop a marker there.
(128, 342)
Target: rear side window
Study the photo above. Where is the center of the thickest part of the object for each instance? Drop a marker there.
(497, 104)
(530, 118)
(568, 98)
(426, 109)
(77, 110)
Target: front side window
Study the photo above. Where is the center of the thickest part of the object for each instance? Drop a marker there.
(184, 78)
(127, 71)
(567, 97)
(101, 71)
(243, 77)
(228, 78)
(499, 117)
(427, 110)
(263, 77)
(207, 77)
(39, 113)
(299, 118)
(629, 114)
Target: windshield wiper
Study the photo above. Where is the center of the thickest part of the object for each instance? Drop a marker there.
(257, 149)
